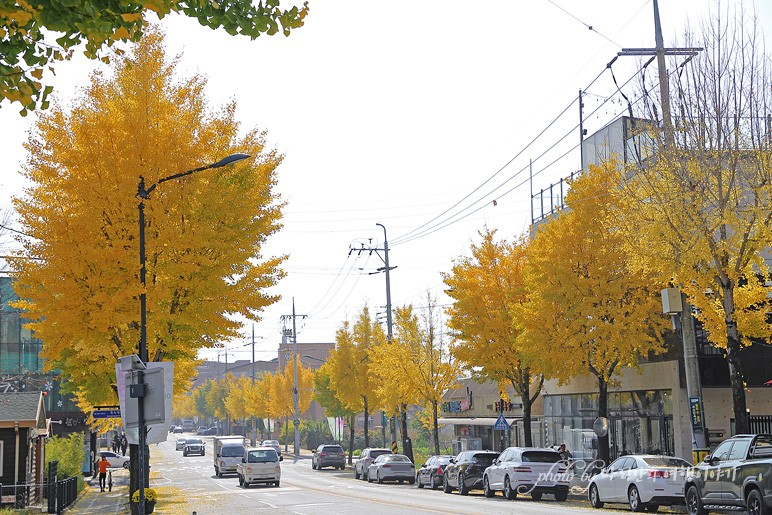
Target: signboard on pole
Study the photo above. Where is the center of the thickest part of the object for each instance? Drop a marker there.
(156, 432)
(106, 413)
(695, 409)
(501, 423)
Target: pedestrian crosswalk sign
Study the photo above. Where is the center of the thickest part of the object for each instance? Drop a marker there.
(501, 423)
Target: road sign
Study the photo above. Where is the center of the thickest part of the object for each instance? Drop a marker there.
(106, 413)
(501, 423)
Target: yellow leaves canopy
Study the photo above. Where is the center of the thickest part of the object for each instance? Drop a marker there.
(587, 308)
(204, 233)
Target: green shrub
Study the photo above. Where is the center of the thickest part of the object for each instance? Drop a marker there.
(68, 452)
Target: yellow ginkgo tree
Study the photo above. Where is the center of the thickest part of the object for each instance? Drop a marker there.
(78, 272)
(588, 310)
(486, 287)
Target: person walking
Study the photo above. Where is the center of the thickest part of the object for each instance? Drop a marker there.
(116, 443)
(124, 444)
(103, 464)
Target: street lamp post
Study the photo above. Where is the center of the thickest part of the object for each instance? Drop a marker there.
(144, 194)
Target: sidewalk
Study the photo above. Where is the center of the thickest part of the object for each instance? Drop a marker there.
(92, 501)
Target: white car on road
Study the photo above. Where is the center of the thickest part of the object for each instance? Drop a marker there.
(115, 460)
(641, 481)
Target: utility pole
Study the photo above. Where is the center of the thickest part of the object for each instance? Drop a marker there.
(295, 390)
(254, 427)
(689, 341)
(385, 268)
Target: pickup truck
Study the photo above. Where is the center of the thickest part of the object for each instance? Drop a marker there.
(259, 465)
(736, 476)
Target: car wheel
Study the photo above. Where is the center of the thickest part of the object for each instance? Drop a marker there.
(634, 499)
(462, 488)
(446, 486)
(434, 484)
(536, 496)
(126, 465)
(755, 503)
(241, 480)
(694, 503)
(509, 492)
(356, 473)
(487, 488)
(369, 480)
(652, 508)
(184, 453)
(595, 497)
(418, 479)
(410, 481)
(277, 484)
(380, 479)
(561, 495)
(217, 472)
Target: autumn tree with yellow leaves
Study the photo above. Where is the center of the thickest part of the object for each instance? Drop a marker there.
(485, 288)
(588, 309)
(78, 274)
(701, 208)
(413, 366)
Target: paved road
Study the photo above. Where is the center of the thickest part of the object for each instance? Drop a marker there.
(188, 484)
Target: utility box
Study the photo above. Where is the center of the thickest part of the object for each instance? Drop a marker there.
(671, 301)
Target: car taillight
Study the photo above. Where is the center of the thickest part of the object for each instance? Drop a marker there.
(440, 471)
(386, 466)
(322, 454)
(659, 473)
(522, 469)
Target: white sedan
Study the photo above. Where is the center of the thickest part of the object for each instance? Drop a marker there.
(116, 461)
(641, 481)
(391, 467)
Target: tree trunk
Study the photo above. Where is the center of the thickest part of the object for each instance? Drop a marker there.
(351, 421)
(407, 445)
(604, 454)
(741, 418)
(367, 416)
(435, 428)
(527, 437)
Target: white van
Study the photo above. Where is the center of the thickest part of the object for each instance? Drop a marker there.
(259, 465)
(228, 452)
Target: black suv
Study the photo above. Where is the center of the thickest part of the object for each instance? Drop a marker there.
(465, 471)
(328, 456)
(736, 476)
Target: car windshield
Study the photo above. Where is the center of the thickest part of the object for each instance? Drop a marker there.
(396, 457)
(484, 458)
(232, 451)
(194, 441)
(541, 457)
(665, 461)
(271, 443)
(262, 456)
(375, 454)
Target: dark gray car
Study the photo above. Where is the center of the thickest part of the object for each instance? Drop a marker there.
(328, 456)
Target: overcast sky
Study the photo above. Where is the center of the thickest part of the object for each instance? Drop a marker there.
(394, 112)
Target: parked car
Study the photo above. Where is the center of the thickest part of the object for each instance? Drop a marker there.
(391, 467)
(431, 472)
(177, 429)
(365, 459)
(642, 481)
(328, 456)
(179, 444)
(272, 443)
(193, 446)
(527, 470)
(212, 431)
(465, 471)
(115, 459)
(735, 476)
(201, 430)
(259, 465)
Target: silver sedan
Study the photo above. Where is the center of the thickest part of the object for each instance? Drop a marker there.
(391, 467)
(180, 444)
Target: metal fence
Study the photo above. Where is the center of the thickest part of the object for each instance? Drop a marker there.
(24, 495)
(760, 423)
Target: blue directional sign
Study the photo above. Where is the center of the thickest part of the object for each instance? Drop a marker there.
(107, 413)
(501, 423)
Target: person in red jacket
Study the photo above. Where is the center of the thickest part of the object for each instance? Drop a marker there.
(103, 464)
